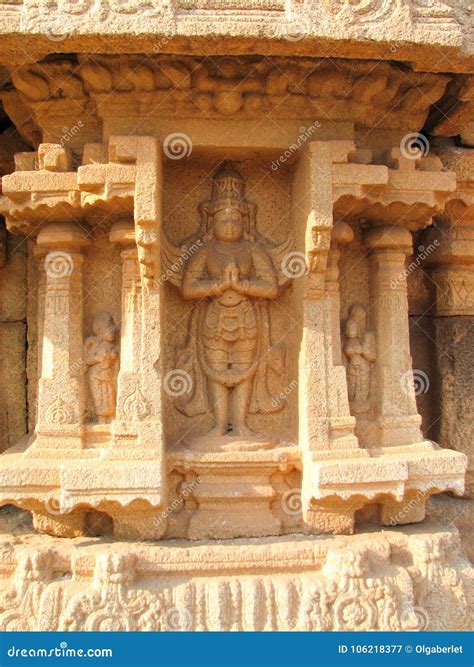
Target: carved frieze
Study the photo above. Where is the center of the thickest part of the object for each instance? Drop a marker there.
(358, 584)
(361, 92)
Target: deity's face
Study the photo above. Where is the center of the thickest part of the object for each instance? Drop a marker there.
(228, 225)
(104, 328)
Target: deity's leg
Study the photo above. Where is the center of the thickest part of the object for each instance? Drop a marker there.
(240, 407)
(219, 399)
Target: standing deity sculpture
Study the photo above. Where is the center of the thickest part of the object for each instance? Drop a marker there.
(233, 275)
(102, 360)
(359, 349)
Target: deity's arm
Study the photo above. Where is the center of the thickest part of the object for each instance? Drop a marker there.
(265, 284)
(369, 346)
(352, 347)
(90, 358)
(195, 284)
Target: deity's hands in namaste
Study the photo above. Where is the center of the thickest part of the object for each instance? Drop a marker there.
(231, 280)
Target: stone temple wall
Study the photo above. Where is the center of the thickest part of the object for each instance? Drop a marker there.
(236, 315)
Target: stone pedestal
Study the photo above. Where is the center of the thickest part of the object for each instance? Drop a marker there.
(234, 494)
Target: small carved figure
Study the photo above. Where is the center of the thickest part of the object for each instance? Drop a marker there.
(101, 357)
(359, 349)
(232, 275)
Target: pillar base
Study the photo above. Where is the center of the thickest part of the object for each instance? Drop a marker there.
(137, 522)
(391, 478)
(327, 518)
(412, 509)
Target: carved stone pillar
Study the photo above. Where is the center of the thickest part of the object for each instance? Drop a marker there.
(61, 385)
(453, 276)
(326, 429)
(397, 421)
(342, 424)
(341, 235)
(39, 255)
(131, 404)
(313, 197)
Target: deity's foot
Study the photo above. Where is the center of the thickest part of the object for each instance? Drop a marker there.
(242, 431)
(218, 431)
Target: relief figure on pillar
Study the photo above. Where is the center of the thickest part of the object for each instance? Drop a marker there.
(233, 276)
(102, 360)
(359, 350)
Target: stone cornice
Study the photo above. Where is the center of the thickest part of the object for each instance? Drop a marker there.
(375, 28)
(103, 88)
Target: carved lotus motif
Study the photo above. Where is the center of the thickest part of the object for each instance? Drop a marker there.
(59, 412)
(135, 406)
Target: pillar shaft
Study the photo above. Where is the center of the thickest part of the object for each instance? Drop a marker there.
(61, 385)
(395, 411)
(453, 276)
(130, 403)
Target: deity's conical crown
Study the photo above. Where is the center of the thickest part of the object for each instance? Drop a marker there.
(228, 188)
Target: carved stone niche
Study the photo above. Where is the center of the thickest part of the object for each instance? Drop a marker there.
(228, 380)
(224, 408)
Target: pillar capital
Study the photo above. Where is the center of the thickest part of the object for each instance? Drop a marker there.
(63, 236)
(122, 232)
(389, 237)
(341, 234)
(454, 245)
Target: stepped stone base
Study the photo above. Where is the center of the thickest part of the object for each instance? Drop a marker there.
(411, 578)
